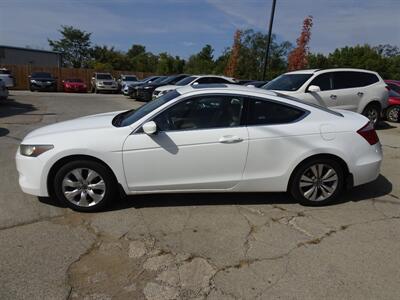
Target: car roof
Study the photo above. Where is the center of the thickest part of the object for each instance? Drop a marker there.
(222, 87)
(314, 71)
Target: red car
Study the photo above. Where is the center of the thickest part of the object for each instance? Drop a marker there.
(392, 111)
(74, 85)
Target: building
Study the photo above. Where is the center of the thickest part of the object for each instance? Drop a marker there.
(24, 56)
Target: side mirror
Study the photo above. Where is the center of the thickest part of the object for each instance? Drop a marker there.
(150, 127)
(195, 83)
(314, 89)
(251, 86)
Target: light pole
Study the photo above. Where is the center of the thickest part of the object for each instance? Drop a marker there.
(271, 22)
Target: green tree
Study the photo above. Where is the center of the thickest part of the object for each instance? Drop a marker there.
(202, 62)
(74, 45)
(110, 58)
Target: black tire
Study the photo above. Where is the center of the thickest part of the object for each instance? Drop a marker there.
(96, 91)
(297, 192)
(372, 110)
(392, 113)
(108, 178)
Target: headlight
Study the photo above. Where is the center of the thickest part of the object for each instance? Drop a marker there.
(34, 150)
(33, 81)
(147, 87)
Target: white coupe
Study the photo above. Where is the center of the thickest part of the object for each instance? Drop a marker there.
(203, 138)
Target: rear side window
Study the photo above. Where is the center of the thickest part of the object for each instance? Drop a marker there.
(349, 79)
(323, 81)
(262, 112)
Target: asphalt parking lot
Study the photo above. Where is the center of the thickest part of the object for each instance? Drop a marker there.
(200, 246)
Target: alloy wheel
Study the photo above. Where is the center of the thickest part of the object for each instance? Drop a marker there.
(83, 187)
(318, 182)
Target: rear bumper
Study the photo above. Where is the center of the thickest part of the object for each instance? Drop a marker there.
(367, 167)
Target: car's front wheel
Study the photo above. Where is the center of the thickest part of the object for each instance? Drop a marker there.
(392, 113)
(317, 181)
(84, 185)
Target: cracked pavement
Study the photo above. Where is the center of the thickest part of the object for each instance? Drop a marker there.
(192, 246)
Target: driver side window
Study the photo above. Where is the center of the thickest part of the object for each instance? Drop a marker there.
(324, 81)
(202, 113)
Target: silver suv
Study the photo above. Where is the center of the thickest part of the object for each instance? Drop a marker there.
(103, 82)
(357, 90)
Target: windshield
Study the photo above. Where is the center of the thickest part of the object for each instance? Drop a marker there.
(287, 82)
(159, 79)
(185, 81)
(104, 76)
(41, 75)
(130, 117)
(129, 78)
(5, 71)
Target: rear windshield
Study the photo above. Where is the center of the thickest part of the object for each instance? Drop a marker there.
(287, 82)
(324, 108)
(129, 78)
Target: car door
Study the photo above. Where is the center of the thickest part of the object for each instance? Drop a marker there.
(276, 141)
(200, 144)
(350, 87)
(325, 97)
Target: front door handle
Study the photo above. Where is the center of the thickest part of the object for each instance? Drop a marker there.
(333, 96)
(229, 139)
(360, 94)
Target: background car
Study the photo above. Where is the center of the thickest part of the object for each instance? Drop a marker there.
(202, 138)
(42, 81)
(256, 83)
(193, 80)
(74, 85)
(103, 82)
(124, 80)
(129, 89)
(3, 90)
(7, 78)
(145, 92)
(356, 90)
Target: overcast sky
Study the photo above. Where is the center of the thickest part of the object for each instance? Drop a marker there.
(182, 27)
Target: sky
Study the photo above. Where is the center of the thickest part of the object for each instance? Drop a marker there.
(183, 27)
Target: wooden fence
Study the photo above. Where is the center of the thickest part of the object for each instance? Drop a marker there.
(21, 73)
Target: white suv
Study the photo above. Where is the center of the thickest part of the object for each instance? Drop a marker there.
(357, 90)
(7, 78)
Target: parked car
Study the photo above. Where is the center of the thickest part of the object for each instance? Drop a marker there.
(256, 83)
(42, 81)
(145, 92)
(202, 138)
(103, 82)
(3, 90)
(125, 80)
(7, 78)
(74, 85)
(356, 90)
(392, 111)
(129, 89)
(192, 80)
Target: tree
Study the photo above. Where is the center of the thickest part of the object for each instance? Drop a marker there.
(202, 62)
(298, 58)
(74, 45)
(231, 67)
(109, 58)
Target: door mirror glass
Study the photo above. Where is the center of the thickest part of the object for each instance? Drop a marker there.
(314, 89)
(150, 127)
(195, 83)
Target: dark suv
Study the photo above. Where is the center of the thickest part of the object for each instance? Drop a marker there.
(145, 92)
(42, 81)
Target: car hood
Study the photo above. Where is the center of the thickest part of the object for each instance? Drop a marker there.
(166, 88)
(42, 79)
(84, 123)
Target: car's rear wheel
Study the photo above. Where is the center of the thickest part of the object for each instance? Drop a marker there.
(392, 113)
(373, 113)
(317, 181)
(84, 185)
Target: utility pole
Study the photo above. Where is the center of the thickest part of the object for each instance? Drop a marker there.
(271, 22)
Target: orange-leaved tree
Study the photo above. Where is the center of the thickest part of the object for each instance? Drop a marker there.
(298, 58)
(231, 67)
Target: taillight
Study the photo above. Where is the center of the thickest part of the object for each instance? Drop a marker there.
(369, 134)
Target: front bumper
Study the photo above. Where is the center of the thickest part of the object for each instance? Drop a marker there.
(30, 171)
(144, 95)
(107, 87)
